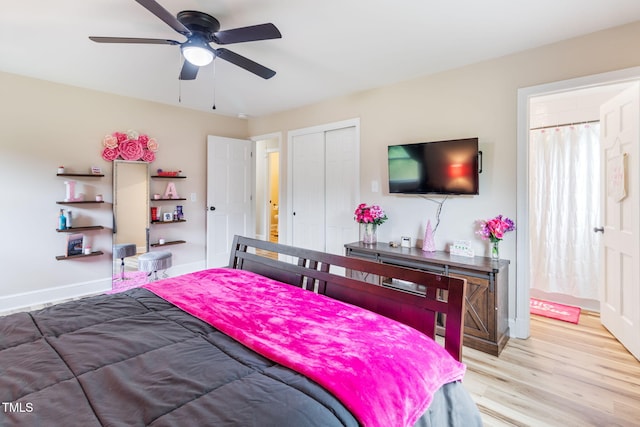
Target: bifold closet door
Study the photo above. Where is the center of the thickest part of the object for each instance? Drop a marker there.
(308, 203)
(324, 189)
(342, 181)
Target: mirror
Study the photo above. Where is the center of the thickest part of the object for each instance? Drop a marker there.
(131, 206)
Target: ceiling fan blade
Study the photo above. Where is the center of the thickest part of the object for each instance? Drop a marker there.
(246, 63)
(247, 34)
(189, 71)
(131, 40)
(165, 16)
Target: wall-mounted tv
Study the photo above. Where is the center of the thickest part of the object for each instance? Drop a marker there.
(440, 167)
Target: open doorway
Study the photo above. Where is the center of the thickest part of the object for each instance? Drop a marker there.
(519, 324)
(273, 202)
(267, 200)
(564, 195)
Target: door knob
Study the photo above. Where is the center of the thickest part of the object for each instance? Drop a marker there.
(212, 208)
(598, 229)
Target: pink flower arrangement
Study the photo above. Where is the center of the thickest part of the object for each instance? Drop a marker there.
(148, 156)
(110, 154)
(369, 214)
(129, 146)
(130, 150)
(494, 229)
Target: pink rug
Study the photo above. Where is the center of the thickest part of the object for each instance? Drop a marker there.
(134, 279)
(553, 310)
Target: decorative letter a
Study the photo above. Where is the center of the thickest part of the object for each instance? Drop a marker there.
(171, 192)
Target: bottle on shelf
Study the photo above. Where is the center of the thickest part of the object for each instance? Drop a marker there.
(69, 219)
(62, 221)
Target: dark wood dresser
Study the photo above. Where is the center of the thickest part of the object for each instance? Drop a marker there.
(486, 323)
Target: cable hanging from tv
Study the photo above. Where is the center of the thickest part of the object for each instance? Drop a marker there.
(440, 203)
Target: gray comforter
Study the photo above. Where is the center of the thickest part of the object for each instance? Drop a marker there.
(133, 359)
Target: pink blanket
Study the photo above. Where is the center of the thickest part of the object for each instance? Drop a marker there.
(384, 372)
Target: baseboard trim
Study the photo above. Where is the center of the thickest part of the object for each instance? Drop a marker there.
(31, 300)
(36, 299)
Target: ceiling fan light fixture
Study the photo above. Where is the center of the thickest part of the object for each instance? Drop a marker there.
(200, 29)
(197, 55)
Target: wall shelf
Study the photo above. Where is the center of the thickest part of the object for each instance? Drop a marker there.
(174, 242)
(65, 257)
(76, 229)
(76, 203)
(168, 222)
(169, 240)
(84, 175)
(62, 202)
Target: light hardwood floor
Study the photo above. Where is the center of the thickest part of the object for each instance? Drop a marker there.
(563, 375)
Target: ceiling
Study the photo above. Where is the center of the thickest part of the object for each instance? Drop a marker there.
(328, 48)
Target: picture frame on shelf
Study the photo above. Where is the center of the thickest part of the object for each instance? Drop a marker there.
(167, 217)
(75, 244)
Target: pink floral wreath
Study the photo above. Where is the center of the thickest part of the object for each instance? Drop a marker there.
(129, 146)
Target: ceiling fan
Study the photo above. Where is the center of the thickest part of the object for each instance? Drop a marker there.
(200, 29)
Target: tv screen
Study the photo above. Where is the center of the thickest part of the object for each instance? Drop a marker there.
(441, 167)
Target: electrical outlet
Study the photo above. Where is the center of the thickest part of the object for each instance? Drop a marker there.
(193, 197)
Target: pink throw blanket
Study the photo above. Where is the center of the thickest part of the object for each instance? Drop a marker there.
(384, 372)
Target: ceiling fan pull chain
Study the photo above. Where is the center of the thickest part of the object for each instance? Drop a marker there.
(180, 80)
(214, 84)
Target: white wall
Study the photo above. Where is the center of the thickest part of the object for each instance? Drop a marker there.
(477, 100)
(45, 125)
(575, 106)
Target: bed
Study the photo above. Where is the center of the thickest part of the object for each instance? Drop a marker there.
(278, 338)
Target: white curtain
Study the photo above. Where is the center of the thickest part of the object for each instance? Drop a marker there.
(564, 208)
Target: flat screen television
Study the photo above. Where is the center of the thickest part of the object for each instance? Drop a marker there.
(440, 167)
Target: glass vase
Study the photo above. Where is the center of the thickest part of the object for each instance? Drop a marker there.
(369, 233)
(495, 250)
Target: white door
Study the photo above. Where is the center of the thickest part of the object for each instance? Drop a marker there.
(620, 293)
(308, 190)
(229, 195)
(341, 188)
(325, 187)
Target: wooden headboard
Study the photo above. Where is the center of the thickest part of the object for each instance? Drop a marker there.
(336, 276)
